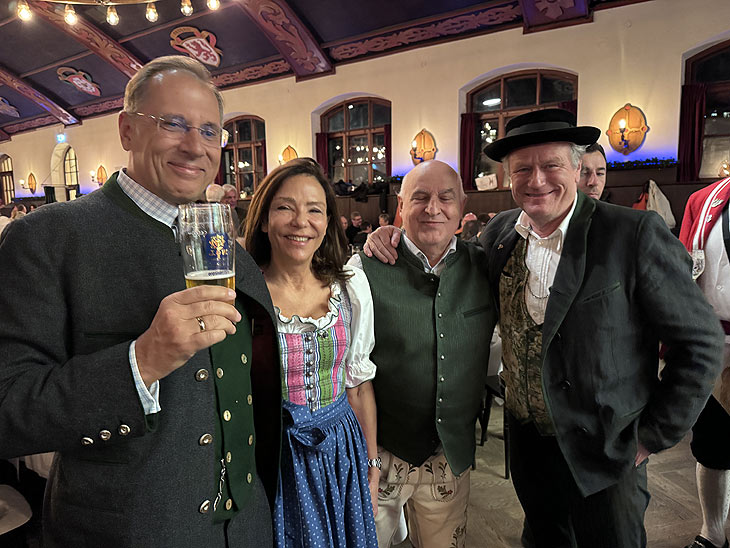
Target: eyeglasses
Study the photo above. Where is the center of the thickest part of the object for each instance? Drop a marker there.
(177, 125)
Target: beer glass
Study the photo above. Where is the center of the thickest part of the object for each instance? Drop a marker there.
(208, 242)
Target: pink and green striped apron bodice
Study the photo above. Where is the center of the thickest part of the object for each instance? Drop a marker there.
(313, 363)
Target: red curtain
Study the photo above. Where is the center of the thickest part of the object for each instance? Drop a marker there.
(468, 149)
(388, 150)
(691, 131)
(322, 153)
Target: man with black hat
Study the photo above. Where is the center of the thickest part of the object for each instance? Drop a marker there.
(586, 291)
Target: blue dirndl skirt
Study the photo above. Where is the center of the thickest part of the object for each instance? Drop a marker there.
(323, 499)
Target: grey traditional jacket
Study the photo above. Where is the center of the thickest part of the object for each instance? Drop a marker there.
(79, 282)
(623, 284)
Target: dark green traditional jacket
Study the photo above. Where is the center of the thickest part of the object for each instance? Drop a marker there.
(432, 338)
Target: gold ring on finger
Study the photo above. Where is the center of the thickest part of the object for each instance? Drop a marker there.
(201, 323)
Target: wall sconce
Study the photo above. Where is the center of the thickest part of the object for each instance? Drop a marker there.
(101, 175)
(627, 129)
(287, 154)
(32, 184)
(23, 184)
(423, 147)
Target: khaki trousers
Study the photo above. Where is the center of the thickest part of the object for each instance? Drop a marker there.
(435, 501)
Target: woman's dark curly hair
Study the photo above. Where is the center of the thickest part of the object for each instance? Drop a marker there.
(328, 260)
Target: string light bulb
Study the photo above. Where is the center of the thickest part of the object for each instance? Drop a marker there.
(214, 4)
(111, 16)
(69, 15)
(24, 11)
(151, 13)
(186, 8)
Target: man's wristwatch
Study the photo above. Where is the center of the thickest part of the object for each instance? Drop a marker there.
(376, 462)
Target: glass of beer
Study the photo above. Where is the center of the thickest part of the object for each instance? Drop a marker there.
(208, 244)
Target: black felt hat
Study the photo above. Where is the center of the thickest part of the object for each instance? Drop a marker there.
(541, 126)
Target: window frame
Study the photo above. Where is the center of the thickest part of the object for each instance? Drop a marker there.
(370, 131)
(255, 145)
(6, 176)
(722, 86)
(504, 114)
(70, 168)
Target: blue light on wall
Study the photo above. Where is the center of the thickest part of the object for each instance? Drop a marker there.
(60, 137)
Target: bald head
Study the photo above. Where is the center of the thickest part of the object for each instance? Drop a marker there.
(431, 202)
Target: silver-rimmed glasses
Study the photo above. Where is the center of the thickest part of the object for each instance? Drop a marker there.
(178, 125)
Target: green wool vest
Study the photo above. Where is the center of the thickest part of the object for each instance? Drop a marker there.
(432, 338)
(234, 433)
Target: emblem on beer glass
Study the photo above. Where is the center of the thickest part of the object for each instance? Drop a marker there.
(207, 241)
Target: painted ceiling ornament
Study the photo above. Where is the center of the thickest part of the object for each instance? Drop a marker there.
(197, 44)
(554, 8)
(8, 109)
(79, 79)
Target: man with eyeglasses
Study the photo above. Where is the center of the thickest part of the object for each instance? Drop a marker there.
(162, 403)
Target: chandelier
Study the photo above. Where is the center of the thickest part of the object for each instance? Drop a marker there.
(25, 12)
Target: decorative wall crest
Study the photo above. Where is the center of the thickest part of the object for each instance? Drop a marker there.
(79, 79)
(553, 9)
(8, 109)
(197, 44)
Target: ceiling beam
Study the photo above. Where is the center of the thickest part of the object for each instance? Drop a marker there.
(91, 37)
(55, 110)
(4, 136)
(289, 35)
(540, 15)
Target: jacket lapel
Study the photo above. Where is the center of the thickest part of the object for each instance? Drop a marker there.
(501, 250)
(571, 269)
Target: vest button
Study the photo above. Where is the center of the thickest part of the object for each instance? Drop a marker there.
(249, 399)
(124, 430)
(105, 435)
(228, 456)
(440, 315)
(438, 294)
(219, 373)
(229, 504)
(441, 335)
(250, 439)
(204, 507)
(441, 400)
(438, 420)
(565, 384)
(307, 337)
(249, 477)
(308, 374)
(201, 375)
(244, 359)
(310, 386)
(226, 415)
(442, 379)
(443, 357)
(205, 439)
(87, 441)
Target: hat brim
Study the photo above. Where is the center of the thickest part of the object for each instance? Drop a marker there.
(581, 135)
(14, 509)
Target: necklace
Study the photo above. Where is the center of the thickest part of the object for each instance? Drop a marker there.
(529, 288)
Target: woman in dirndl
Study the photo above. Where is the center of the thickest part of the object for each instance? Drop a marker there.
(329, 468)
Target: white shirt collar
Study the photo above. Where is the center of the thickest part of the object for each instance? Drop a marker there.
(524, 229)
(438, 267)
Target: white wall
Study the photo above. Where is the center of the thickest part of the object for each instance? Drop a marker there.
(634, 54)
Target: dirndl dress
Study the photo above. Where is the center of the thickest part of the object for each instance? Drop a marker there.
(323, 499)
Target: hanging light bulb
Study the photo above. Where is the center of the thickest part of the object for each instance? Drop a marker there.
(24, 11)
(151, 13)
(186, 8)
(214, 4)
(111, 16)
(69, 15)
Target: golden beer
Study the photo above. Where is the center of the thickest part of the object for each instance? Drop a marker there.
(225, 278)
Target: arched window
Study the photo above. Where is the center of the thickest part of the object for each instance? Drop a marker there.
(6, 179)
(70, 168)
(711, 70)
(358, 140)
(243, 164)
(498, 101)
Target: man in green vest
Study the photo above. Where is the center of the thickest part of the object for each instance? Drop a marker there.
(161, 403)
(434, 316)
